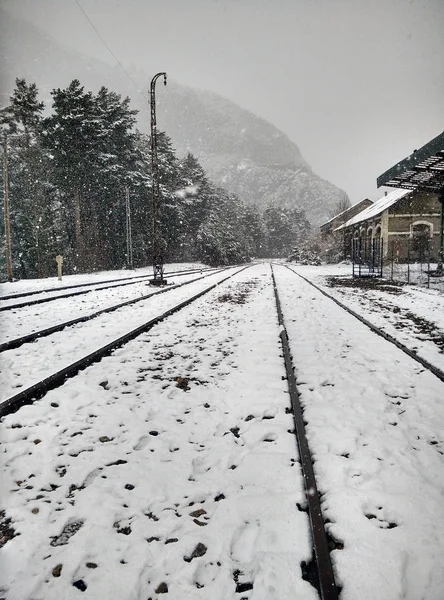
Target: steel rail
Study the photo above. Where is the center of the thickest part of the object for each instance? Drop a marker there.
(437, 372)
(79, 285)
(141, 278)
(327, 585)
(40, 389)
(68, 287)
(31, 337)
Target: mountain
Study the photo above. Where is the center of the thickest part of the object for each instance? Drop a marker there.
(240, 151)
(244, 153)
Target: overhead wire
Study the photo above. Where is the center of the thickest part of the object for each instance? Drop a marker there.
(107, 46)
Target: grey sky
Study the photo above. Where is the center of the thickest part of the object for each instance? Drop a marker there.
(357, 84)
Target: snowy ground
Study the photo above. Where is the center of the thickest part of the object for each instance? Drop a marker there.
(171, 467)
(30, 363)
(375, 426)
(413, 315)
(32, 285)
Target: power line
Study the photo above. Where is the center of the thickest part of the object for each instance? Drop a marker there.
(106, 45)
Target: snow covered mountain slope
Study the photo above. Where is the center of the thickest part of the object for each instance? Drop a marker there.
(240, 151)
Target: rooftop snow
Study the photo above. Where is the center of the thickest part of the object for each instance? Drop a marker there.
(375, 209)
(344, 211)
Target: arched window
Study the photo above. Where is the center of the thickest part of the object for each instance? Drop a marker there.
(369, 241)
(377, 232)
(421, 234)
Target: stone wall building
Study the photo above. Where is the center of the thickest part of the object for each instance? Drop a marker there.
(406, 222)
(332, 224)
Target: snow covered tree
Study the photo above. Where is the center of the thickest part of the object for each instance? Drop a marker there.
(92, 143)
(194, 196)
(69, 172)
(222, 237)
(286, 227)
(341, 205)
(256, 232)
(33, 202)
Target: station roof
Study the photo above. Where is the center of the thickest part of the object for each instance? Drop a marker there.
(376, 208)
(344, 212)
(422, 170)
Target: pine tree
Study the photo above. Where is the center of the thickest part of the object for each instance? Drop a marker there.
(286, 227)
(195, 198)
(69, 173)
(32, 198)
(69, 134)
(222, 237)
(92, 144)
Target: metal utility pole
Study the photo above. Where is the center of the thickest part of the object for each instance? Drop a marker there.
(78, 229)
(440, 267)
(129, 241)
(157, 234)
(6, 199)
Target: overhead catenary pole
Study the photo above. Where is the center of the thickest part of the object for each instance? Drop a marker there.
(440, 267)
(129, 241)
(6, 203)
(78, 229)
(156, 231)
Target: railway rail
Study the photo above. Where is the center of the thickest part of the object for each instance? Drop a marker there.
(324, 579)
(100, 286)
(38, 390)
(319, 573)
(426, 364)
(31, 337)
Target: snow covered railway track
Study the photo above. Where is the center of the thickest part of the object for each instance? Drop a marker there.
(426, 364)
(100, 286)
(324, 579)
(39, 389)
(171, 464)
(31, 337)
(374, 421)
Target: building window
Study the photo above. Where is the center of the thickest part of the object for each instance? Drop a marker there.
(421, 234)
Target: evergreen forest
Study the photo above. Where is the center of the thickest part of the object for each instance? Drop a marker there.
(72, 166)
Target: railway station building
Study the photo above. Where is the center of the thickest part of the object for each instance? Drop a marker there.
(405, 224)
(404, 221)
(330, 232)
(329, 227)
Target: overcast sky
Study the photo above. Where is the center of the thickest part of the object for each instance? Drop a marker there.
(357, 84)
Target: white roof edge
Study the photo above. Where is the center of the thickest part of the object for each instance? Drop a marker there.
(377, 208)
(344, 211)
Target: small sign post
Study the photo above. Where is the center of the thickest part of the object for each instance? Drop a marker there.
(59, 261)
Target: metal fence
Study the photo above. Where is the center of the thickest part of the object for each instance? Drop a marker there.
(367, 257)
(413, 263)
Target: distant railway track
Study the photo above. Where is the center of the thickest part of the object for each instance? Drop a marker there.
(322, 578)
(427, 365)
(26, 339)
(116, 283)
(319, 572)
(40, 389)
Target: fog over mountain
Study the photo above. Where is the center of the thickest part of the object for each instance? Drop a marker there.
(240, 151)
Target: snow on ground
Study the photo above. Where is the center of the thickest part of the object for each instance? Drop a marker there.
(28, 364)
(128, 480)
(29, 319)
(170, 466)
(413, 315)
(375, 427)
(32, 285)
